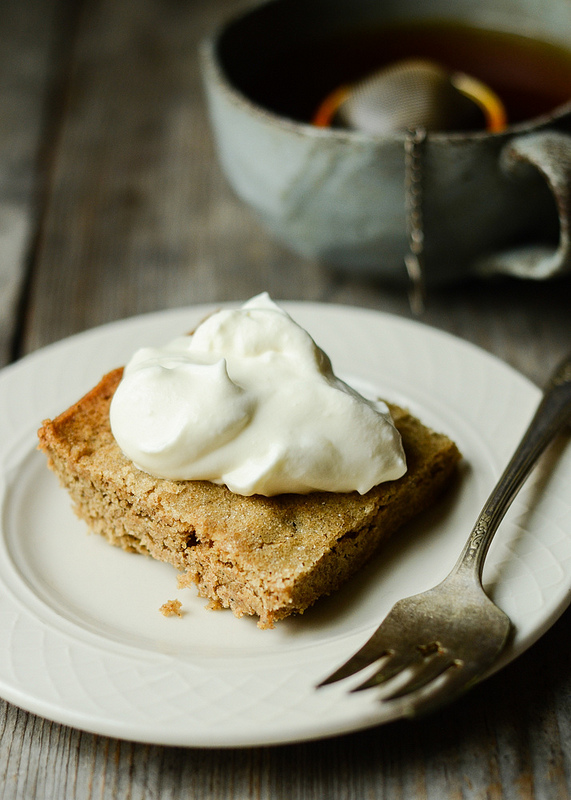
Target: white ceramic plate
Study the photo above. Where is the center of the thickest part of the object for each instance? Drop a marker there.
(83, 642)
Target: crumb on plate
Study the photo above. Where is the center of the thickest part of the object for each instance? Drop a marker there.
(171, 608)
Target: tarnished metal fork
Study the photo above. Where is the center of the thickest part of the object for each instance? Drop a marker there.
(437, 644)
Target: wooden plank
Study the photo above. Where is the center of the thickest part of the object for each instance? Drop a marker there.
(30, 53)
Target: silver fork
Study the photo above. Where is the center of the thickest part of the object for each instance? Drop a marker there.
(437, 644)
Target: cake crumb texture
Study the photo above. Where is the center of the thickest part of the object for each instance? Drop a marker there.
(172, 608)
(264, 556)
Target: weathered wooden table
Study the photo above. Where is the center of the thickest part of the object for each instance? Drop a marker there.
(112, 204)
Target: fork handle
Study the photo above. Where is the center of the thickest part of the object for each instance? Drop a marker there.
(553, 413)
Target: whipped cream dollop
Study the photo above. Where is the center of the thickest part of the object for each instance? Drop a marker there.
(250, 401)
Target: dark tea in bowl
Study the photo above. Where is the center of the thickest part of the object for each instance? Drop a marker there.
(440, 196)
(531, 77)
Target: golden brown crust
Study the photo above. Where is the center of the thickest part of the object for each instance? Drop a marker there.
(268, 556)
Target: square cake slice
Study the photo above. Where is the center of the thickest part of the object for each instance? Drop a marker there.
(264, 556)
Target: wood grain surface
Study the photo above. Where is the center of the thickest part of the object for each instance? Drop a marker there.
(112, 204)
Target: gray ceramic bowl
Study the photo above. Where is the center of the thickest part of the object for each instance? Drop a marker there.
(490, 202)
